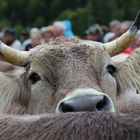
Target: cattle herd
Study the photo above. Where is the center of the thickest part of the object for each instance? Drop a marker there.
(71, 89)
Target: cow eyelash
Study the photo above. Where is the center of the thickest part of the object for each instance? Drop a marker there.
(111, 69)
(34, 77)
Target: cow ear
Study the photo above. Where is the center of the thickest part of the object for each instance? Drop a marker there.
(120, 58)
(134, 57)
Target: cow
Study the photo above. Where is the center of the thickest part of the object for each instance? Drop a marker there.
(5, 66)
(71, 126)
(72, 75)
(9, 68)
(14, 98)
(128, 76)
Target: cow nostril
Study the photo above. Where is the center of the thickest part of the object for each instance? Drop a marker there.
(65, 108)
(86, 103)
(102, 104)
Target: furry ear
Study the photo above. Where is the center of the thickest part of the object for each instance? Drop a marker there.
(135, 55)
(120, 58)
(129, 72)
(5, 66)
(14, 92)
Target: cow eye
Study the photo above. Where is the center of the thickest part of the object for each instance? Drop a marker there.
(137, 91)
(34, 77)
(111, 69)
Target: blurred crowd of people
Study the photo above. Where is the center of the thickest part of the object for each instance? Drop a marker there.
(36, 36)
(115, 29)
(95, 32)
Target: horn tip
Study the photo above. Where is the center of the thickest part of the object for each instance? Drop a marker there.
(136, 25)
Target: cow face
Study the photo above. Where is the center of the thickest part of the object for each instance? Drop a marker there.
(73, 77)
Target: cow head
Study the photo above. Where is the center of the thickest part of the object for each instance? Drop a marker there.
(72, 74)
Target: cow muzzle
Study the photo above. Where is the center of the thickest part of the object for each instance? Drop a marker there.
(85, 100)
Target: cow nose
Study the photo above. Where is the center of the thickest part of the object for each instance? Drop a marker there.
(86, 103)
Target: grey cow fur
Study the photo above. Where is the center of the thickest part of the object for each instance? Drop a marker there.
(72, 126)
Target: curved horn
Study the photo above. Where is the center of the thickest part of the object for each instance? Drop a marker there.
(117, 46)
(19, 58)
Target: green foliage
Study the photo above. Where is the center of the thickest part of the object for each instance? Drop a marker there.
(39, 22)
(78, 18)
(100, 11)
(82, 13)
(19, 28)
(59, 7)
(4, 23)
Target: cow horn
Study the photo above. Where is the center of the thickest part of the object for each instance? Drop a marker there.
(19, 58)
(120, 44)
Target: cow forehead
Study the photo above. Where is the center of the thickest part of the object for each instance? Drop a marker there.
(62, 46)
(71, 54)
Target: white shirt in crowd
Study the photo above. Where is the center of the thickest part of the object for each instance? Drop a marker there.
(17, 45)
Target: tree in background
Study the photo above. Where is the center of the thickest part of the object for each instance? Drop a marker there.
(28, 13)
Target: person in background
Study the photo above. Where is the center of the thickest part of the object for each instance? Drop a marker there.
(137, 40)
(105, 29)
(24, 36)
(9, 38)
(125, 25)
(115, 30)
(47, 33)
(35, 39)
(94, 33)
(35, 36)
(25, 39)
(58, 29)
(68, 28)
